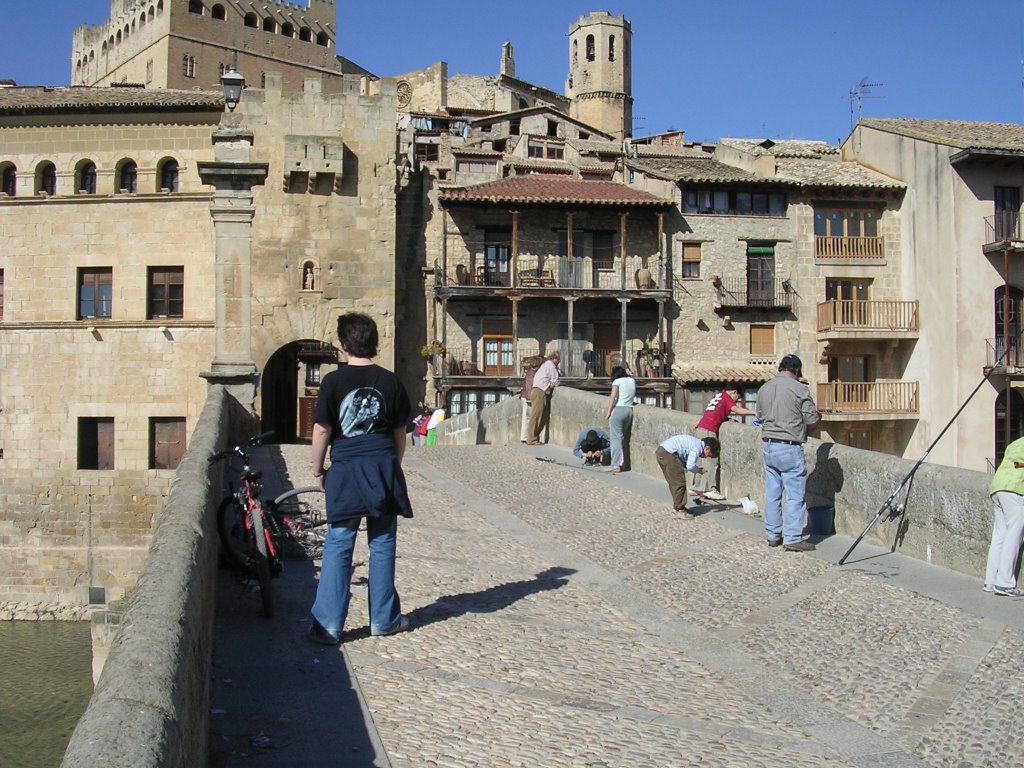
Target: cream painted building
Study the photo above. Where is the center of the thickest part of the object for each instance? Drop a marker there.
(960, 248)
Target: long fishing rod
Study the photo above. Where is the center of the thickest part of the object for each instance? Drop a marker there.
(898, 509)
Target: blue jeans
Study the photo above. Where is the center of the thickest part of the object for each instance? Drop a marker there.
(784, 470)
(332, 594)
(620, 425)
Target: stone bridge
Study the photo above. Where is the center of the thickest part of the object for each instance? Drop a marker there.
(646, 643)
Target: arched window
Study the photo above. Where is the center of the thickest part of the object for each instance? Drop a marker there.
(611, 47)
(1015, 417)
(306, 34)
(188, 65)
(1007, 316)
(168, 174)
(287, 30)
(151, 14)
(269, 25)
(224, 68)
(142, 19)
(127, 31)
(46, 178)
(323, 39)
(127, 177)
(103, 48)
(252, 20)
(218, 12)
(85, 177)
(590, 47)
(575, 51)
(9, 179)
(196, 6)
(159, 7)
(118, 38)
(263, 79)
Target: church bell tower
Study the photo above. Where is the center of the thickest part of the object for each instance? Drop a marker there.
(600, 82)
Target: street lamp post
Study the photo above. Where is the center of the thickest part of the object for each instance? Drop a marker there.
(233, 176)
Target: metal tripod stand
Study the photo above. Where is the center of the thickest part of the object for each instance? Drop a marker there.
(894, 510)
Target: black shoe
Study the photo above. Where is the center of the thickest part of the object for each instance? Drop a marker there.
(774, 542)
(799, 546)
(320, 635)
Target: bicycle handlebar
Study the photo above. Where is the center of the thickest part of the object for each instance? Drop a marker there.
(254, 440)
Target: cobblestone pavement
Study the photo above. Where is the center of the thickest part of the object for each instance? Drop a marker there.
(561, 617)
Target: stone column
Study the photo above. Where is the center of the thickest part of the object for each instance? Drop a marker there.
(233, 176)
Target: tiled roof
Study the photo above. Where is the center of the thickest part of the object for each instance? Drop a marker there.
(543, 188)
(666, 150)
(538, 164)
(695, 170)
(783, 147)
(595, 146)
(687, 373)
(475, 151)
(80, 99)
(963, 134)
(833, 173)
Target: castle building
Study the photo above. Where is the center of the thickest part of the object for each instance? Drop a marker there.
(189, 44)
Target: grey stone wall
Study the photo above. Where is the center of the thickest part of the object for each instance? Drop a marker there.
(948, 519)
(150, 704)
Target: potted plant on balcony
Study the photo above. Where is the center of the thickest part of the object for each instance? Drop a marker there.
(432, 350)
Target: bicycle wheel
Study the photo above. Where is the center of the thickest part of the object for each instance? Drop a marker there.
(231, 529)
(302, 513)
(261, 561)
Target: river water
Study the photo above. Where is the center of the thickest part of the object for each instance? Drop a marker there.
(46, 685)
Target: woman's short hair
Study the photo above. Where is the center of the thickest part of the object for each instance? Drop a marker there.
(357, 334)
(618, 372)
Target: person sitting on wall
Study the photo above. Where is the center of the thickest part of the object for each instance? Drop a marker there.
(593, 446)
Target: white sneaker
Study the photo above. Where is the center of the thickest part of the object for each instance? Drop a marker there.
(714, 494)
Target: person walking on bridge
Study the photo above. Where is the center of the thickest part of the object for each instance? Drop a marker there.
(360, 415)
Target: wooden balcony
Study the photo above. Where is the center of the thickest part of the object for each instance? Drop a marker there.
(552, 274)
(849, 249)
(741, 293)
(868, 400)
(1002, 232)
(847, 319)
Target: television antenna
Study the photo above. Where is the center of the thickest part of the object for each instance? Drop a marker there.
(858, 93)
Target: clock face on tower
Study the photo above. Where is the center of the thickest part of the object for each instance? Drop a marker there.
(404, 94)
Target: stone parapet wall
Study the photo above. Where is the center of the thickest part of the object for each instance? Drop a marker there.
(949, 513)
(150, 704)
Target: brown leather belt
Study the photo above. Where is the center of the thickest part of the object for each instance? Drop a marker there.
(776, 440)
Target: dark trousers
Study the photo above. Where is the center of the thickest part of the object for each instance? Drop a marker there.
(675, 475)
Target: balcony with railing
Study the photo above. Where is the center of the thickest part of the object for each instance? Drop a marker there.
(1003, 230)
(864, 400)
(582, 362)
(472, 275)
(852, 319)
(742, 293)
(1005, 355)
(849, 249)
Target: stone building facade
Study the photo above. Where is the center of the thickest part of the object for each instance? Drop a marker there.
(115, 302)
(187, 44)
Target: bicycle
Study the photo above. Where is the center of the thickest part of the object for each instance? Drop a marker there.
(249, 536)
(297, 516)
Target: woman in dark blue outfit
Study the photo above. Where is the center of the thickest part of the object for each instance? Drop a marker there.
(360, 414)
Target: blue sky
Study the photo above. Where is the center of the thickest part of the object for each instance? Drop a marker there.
(713, 69)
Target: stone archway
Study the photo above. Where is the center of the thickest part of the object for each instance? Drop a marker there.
(289, 386)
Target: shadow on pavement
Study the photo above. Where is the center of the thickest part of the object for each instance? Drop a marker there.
(491, 599)
(276, 698)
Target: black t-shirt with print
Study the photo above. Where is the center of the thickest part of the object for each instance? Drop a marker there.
(361, 400)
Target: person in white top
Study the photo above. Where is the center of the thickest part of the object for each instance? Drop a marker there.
(620, 417)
